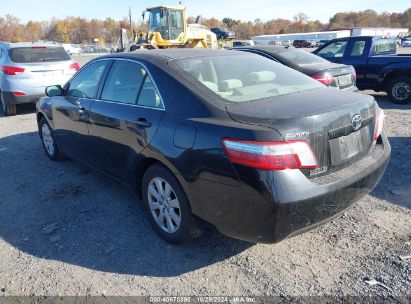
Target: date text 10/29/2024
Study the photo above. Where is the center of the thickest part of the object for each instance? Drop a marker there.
(202, 299)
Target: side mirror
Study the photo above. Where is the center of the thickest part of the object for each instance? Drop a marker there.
(55, 90)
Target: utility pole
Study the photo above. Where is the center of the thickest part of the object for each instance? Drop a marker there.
(131, 23)
(129, 17)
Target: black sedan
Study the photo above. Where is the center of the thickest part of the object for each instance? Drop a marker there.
(218, 139)
(331, 74)
(223, 33)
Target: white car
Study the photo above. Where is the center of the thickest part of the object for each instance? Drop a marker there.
(406, 43)
(71, 49)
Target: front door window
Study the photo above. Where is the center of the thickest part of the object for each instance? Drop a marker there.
(85, 83)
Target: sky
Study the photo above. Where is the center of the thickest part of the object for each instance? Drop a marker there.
(245, 10)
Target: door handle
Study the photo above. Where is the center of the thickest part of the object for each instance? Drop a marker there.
(143, 123)
(82, 111)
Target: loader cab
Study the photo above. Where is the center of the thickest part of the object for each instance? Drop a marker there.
(168, 21)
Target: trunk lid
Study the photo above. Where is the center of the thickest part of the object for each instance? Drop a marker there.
(44, 74)
(327, 119)
(343, 74)
(335, 68)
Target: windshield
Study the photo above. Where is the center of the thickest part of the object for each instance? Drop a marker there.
(38, 54)
(242, 78)
(169, 23)
(299, 58)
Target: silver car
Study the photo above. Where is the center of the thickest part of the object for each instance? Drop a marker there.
(406, 43)
(26, 69)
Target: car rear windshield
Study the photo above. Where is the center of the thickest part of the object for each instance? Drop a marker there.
(38, 54)
(299, 58)
(242, 78)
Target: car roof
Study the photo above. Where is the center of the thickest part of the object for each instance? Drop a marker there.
(172, 54)
(266, 48)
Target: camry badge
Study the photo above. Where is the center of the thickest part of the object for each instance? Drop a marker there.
(356, 122)
(297, 135)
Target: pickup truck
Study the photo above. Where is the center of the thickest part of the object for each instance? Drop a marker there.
(223, 33)
(378, 66)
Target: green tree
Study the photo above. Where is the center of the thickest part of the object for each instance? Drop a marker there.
(405, 19)
(229, 22)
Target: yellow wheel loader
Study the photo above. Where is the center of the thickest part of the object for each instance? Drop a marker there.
(168, 28)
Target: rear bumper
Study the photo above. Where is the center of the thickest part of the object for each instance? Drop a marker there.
(270, 206)
(9, 98)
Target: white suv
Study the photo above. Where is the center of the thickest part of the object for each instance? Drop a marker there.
(26, 69)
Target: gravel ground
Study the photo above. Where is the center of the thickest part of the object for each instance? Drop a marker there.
(65, 230)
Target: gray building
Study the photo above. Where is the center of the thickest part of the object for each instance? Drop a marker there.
(280, 38)
(328, 35)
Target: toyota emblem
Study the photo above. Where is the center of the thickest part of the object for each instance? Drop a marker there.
(357, 122)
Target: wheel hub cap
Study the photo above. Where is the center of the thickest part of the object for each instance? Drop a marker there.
(401, 91)
(47, 139)
(164, 205)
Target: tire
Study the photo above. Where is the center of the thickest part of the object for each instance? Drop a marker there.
(399, 90)
(9, 110)
(48, 140)
(165, 210)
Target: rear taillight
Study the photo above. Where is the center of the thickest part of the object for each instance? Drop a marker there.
(19, 94)
(11, 70)
(326, 78)
(74, 67)
(354, 75)
(379, 123)
(270, 155)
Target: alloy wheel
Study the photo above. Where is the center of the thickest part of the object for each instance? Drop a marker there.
(164, 205)
(48, 140)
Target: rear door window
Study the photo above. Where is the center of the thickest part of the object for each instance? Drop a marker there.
(358, 48)
(124, 82)
(149, 96)
(38, 54)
